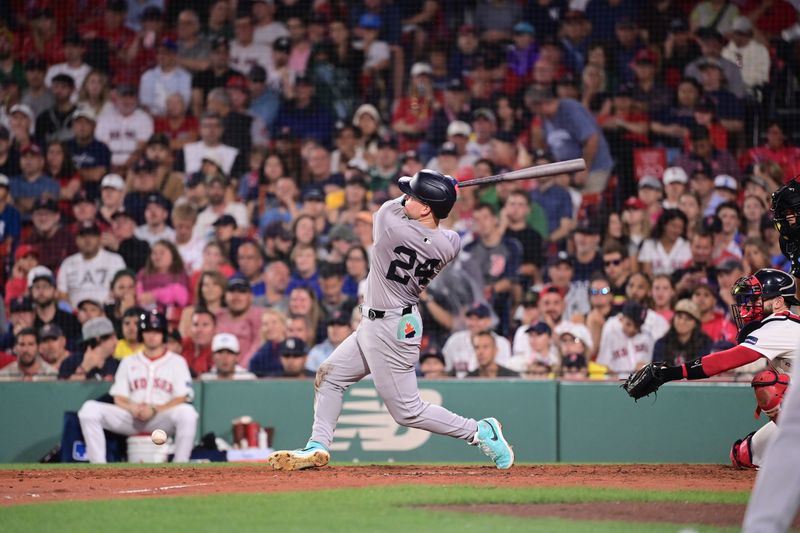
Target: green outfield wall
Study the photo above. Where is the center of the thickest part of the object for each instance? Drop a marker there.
(546, 421)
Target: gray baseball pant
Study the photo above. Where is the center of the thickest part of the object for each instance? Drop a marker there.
(374, 348)
(776, 494)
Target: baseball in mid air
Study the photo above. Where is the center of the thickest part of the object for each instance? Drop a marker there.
(159, 436)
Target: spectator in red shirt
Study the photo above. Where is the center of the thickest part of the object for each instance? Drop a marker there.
(43, 40)
(197, 345)
(115, 39)
(714, 322)
(776, 149)
(414, 111)
(241, 318)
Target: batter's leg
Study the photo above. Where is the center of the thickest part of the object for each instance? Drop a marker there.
(180, 421)
(393, 364)
(345, 366)
(95, 417)
(776, 494)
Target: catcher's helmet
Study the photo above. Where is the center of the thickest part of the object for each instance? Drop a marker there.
(785, 201)
(152, 321)
(431, 188)
(750, 292)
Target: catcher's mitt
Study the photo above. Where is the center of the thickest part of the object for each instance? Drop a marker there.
(645, 381)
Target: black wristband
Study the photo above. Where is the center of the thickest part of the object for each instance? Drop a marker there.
(694, 370)
(671, 373)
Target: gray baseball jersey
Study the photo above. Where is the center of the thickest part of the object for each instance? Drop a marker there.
(405, 258)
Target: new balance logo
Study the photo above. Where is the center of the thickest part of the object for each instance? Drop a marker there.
(366, 420)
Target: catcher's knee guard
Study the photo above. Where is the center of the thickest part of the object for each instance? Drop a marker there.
(770, 388)
(741, 452)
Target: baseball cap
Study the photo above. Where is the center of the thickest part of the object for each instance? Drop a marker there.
(524, 27)
(742, 24)
(220, 41)
(578, 331)
(675, 175)
(20, 304)
(91, 301)
(239, 284)
(712, 223)
(237, 82)
(97, 327)
(758, 181)
(282, 44)
(88, 228)
(66, 79)
(84, 112)
(369, 21)
(540, 328)
(292, 347)
(152, 13)
(341, 232)
(456, 84)
(559, 258)
(126, 89)
(50, 331)
(506, 137)
(409, 155)
(276, 230)
(169, 44)
(122, 212)
(634, 203)
(705, 33)
(485, 113)
(158, 139)
(257, 74)
(479, 310)
(368, 109)
(45, 203)
(459, 127)
(4, 181)
(650, 182)
(24, 250)
(225, 220)
(587, 226)
(32, 148)
(225, 341)
(645, 56)
(729, 265)
(420, 68)
(530, 298)
(689, 307)
(635, 311)
(313, 195)
(724, 181)
(40, 272)
(678, 25)
(448, 148)
(113, 181)
(707, 62)
(338, 318)
(158, 199)
(81, 197)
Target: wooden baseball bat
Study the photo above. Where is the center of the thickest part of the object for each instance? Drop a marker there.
(540, 171)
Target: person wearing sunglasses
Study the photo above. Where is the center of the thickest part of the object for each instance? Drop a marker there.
(601, 298)
(617, 268)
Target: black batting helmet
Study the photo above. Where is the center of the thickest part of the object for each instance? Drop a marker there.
(431, 188)
(750, 292)
(152, 321)
(785, 201)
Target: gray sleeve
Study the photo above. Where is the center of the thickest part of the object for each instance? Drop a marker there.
(387, 216)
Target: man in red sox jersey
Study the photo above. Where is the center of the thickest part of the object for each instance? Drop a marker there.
(151, 390)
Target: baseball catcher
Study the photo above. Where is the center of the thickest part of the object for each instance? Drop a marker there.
(766, 329)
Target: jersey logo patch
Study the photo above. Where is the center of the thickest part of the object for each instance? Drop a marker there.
(750, 340)
(408, 328)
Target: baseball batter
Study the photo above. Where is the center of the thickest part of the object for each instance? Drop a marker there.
(766, 329)
(151, 390)
(409, 251)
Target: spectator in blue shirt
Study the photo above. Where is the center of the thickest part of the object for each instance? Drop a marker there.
(10, 219)
(571, 132)
(303, 117)
(556, 202)
(32, 183)
(604, 15)
(305, 273)
(92, 158)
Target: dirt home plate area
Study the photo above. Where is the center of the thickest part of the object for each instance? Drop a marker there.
(32, 486)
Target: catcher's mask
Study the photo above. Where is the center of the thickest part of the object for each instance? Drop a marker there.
(749, 302)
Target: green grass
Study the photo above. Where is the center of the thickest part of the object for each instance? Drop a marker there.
(347, 510)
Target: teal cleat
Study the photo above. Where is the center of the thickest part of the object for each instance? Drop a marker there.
(490, 440)
(314, 455)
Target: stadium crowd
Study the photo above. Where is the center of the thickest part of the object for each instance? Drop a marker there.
(220, 161)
